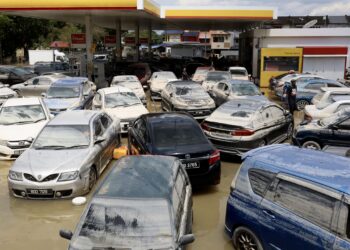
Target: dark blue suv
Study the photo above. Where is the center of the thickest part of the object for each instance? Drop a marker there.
(285, 197)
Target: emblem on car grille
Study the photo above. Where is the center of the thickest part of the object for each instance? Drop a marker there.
(39, 177)
(21, 143)
(187, 156)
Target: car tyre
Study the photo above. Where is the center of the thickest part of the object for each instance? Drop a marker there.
(312, 145)
(243, 238)
(92, 178)
(18, 92)
(262, 143)
(301, 104)
(290, 131)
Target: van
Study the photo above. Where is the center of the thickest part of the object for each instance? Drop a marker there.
(285, 197)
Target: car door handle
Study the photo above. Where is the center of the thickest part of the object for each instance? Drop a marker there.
(268, 213)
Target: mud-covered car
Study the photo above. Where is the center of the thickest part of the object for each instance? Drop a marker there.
(144, 202)
(158, 82)
(67, 157)
(6, 93)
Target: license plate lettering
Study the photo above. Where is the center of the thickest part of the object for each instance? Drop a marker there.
(191, 165)
(39, 191)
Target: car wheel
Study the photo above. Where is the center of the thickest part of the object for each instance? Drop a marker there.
(262, 143)
(92, 178)
(290, 131)
(245, 239)
(312, 145)
(301, 104)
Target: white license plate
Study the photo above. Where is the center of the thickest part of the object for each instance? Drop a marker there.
(39, 191)
(18, 152)
(190, 165)
(223, 135)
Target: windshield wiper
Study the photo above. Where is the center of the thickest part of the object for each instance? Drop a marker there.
(42, 119)
(54, 147)
(76, 146)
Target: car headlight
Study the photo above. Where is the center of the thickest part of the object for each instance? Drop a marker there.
(3, 143)
(68, 176)
(16, 176)
(180, 103)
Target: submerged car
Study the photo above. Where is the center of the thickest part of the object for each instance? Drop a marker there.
(67, 157)
(121, 103)
(158, 82)
(21, 119)
(235, 89)
(333, 131)
(239, 73)
(284, 197)
(144, 202)
(213, 77)
(36, 86)
(70, 93)
(177, 134)
(241, 125)
(130, 82)
(333, 105)
(187, 96)
(6, 93)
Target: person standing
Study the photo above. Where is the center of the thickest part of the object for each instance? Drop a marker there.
(290, 95)
(184, 74)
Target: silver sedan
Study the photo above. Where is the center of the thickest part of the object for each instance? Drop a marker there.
(67, 157)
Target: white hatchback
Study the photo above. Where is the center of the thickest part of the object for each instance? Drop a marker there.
(21, 120)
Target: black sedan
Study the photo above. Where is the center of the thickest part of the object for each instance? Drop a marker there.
(332, 131)
(12, 75)
(177, 134)
(145, 202)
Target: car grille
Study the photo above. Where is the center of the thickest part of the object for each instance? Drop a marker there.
(46, 179)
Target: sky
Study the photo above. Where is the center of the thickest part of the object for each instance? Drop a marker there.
(285, 8)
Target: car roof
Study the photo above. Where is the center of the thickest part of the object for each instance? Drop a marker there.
(71, 81)
(237, 67)
(167, 117)
(115, 89)
(22, 101)
(335, 89)
(186, 83)
(323, 168)
(140, 177)
(74, 117)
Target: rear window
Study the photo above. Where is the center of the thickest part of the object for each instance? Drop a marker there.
(260, 180)
(177, 133)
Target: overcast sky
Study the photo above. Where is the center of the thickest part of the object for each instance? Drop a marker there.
(293, 7)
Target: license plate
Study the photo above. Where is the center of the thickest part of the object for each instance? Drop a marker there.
(190, 165)
(223, 135)
(40, 191)
(18, 152)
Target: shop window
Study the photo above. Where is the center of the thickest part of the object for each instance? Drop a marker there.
(279, 63)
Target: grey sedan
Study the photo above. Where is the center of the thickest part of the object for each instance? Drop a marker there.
(67, 157)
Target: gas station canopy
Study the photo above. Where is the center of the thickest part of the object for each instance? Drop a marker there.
(105, 13)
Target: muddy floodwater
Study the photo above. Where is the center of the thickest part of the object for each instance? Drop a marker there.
(34, 224)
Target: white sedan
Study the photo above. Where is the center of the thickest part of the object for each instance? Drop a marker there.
(21, 120)
(315, 112)
(6, 93)
(158, 82)
(121, 103)
(130, 82)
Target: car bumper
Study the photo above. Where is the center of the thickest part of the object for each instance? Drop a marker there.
(211, 177)
(234, 147)
(57, 190)
(7, 153)
(198, 114)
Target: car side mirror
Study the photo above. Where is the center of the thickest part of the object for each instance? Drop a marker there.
(43, 95)
(66, 234)
(99, 139)
(171, 94)
(186, 239)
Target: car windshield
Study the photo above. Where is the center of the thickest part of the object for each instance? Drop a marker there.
(121, 99)
(63, 136)
(19, 71)
(239, 72)
(63, 92)
(217, 76)
(333, 118)
(21, 114)
(170, 135)
(189, 90)
(113, 223)
(165, 75)
(245, 89)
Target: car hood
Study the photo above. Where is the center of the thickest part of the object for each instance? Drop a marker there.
(21, 132)
(46, 162)
(61, 103)
(250, 97)
(159, 84)
(312, 111)
(131, 112)
(6, 91)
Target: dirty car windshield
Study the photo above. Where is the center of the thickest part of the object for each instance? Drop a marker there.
(121, 99)
(63, 92)
(111, 223)
(239, 72)
(21, 114)
(245, 89)
(189, 90)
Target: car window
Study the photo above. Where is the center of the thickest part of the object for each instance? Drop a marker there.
(140, 128)
(345, 125)
(343, 106)
(276, 112)
(106, 121)
(260, 180)
(44, 81)
(306, 203)
(98, 131)
(315, 85)
(221, 85)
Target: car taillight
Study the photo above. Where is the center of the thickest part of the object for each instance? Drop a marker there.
(242, 132)
(205, 126)
(214, 157)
